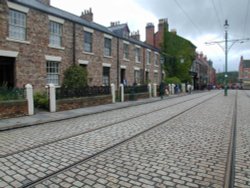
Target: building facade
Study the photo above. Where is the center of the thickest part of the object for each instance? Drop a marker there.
(203, 72)
(244, 73)
(39, 42)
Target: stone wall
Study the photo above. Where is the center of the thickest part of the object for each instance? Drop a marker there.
(11, 109)
(68, 104)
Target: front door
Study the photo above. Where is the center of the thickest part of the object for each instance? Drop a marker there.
(7, 71)
(123, 77)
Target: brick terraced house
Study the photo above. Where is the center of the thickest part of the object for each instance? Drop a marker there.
(39, 42)
(244, 73)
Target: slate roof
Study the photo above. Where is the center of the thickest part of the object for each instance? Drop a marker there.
(76, 19)
(119, 29)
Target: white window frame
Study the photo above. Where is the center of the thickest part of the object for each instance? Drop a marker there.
(55, 38)
(53, 72)
(137, 54)
(17, 25)
(125, 51)
(88, 43)
(148, 57)
(107, 50)
(156, 59)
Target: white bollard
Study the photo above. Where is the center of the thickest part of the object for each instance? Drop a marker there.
(30, 99)
(113, 92)
(173, 85)
(122, 92)
(183, 88)
(52, 98)
(155, 90)
(150, 90)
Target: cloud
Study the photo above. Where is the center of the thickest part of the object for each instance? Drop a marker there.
(197, 21)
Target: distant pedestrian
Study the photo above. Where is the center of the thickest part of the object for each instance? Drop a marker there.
(162, 89)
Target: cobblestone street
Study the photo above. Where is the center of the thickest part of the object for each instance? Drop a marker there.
(180, 142)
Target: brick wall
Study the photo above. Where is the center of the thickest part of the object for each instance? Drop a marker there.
(10, 109)
(68, 104)
(129, 97)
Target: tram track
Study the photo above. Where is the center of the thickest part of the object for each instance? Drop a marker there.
(230, 168)
(34, 183)
(98, 128)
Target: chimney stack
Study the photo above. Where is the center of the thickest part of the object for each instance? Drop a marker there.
(162, 23)
(174, 31)
(135, 35)
(46, 2)
(112, 24)
(87, 15)
(150, 34)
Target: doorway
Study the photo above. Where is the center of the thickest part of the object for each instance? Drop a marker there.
(123, 77)
(7, 71)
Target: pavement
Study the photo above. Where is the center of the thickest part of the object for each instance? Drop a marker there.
(41, 117)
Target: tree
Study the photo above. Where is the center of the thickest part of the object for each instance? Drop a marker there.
(232, 77)
(178, 56)
(75, 77)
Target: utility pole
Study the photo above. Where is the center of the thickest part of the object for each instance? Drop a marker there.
(226, 53)
(226, 49)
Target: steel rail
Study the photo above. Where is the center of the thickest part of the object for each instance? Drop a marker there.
(230, 167)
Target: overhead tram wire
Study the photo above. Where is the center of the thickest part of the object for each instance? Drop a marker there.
(217, 15)
(196, 27)
(245, 24)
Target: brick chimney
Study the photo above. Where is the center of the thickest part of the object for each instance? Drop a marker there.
(150, 32)
(135, 35)
(87, 15)
(46, 2)
(174, 31)
(162, 23)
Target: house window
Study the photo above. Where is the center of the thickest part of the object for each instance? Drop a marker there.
(137, 55)
(137, 76)
(148, 57)
(55, 38)
(52, 68)
(156, 78)
(88, 38)
(156, 59)
(125, 51)
(106, 76)
(107, 47)
(17, 25)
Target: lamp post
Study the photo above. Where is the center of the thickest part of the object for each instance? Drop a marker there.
(226, 26)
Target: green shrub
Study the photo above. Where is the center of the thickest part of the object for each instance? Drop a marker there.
(75, 77)
(173, 80)
(11, 93)
(41, 100)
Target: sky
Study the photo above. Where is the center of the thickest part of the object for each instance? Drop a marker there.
(200, 21)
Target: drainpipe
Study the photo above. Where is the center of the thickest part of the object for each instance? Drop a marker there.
(118, 63)
(74, 43)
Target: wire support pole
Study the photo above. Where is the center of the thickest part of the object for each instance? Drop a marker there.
(226, 55)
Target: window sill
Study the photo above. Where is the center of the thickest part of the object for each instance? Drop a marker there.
(19, 41)
(124, 59)
(56, 86)
(110, 57)
(156, 65)
(138, 62)
(57, 47)
(88, 53)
